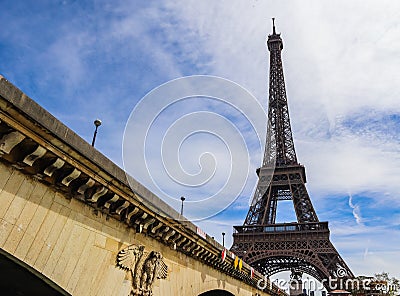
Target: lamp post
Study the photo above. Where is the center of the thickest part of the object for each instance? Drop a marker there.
(223, 239)
(97, 123)
(182, 199)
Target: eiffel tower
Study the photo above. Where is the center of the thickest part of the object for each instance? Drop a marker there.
(300, 247)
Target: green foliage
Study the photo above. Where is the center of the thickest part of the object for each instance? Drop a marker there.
(393, 284)
(379, 284)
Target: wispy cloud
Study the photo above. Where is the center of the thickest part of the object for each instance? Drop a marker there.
(356, 210)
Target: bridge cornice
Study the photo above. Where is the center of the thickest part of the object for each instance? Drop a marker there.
(36, 143)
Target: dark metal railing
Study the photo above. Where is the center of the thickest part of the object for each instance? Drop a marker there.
(282, 227)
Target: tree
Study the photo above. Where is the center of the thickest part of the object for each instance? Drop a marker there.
(380, 284)
(387, 285)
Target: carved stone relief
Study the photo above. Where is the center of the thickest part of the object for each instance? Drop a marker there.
(144, 267)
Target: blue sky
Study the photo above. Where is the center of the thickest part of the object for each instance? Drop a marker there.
(83, 60)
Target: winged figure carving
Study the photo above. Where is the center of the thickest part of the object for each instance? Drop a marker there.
(144, 267)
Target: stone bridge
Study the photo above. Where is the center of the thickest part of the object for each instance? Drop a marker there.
(71, 225)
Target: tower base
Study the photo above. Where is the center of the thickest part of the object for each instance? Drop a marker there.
(304, 247)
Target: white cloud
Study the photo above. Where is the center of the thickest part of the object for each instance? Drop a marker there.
(356, 210)
(335, 66)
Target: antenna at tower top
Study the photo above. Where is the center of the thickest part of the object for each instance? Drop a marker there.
(273, 25)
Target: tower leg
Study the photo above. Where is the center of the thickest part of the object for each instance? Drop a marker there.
(296, 283)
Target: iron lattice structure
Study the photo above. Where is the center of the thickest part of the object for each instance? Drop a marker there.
(303, 246)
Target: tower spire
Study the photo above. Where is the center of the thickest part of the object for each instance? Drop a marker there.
(279, 146)
(273, 26)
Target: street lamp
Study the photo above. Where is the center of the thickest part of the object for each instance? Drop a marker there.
(182, 199)
(223, 239)
(97, 123)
